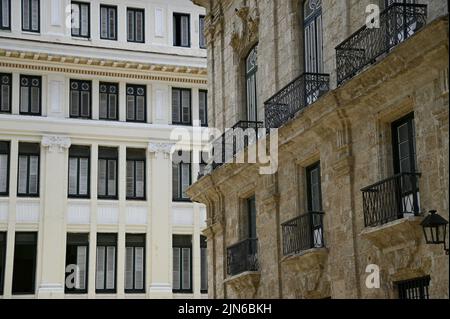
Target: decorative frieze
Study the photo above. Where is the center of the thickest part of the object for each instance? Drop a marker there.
(56, 144)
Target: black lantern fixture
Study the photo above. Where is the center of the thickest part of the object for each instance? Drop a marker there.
(435, 229)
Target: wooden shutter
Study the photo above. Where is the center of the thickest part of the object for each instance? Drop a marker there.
(3, 172)
(35, 99)
(202, 32)
(26, 14)
(185, 178)
(23, 179)
(112, 23)
(103, 107)
(130, 26)
(112, 106)
(100, 274)
(34, 171)
(130, 179)
(175, 181)
(129, 257)
(104, 22)
(130, 107)
(110, 267)
(24, 98)
(5, 14)
(140, 108)
(80, 281)
(186, 106)
(140, 178)
(204, 269)
(139, 26)
(73, 178)
(185, 31)
(112, 177)
(85, 103)
(186, 256)
(176, 106)
(5, 104)
(84, 13)
(202, 107)
(176, 284)
(139, 268)
(74, 103)
(84, 176)
(35, 15)
(102, 177)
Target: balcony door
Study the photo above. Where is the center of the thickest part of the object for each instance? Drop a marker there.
(251, 70)
(405, 162)
(314, 196)
(312, 24)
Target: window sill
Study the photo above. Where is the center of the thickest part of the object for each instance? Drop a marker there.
(31, 32)
(86, 39)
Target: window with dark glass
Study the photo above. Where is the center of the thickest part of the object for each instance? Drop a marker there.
(203, 265)
(136, 100)
(107, 173)
(313, 187)
(79, 171)
(80, 99)
(77, 254)
(2, 260)
(105, 275)
(135, 263)
(81, 19)
(404, 145)
(28, 170)
(135, 174)
(251, 70)
(182, 264)
(181, 107)
(313, 34)
(181, 175)
(181, 30)
(30, 95)
(251, 218)
(203, 107)
(135, 25)
(5, 15)
(202, 40)
(108, 22)
(4, 168)
(24, 269)
(31, 15)
(109, 101)
(417, 288)
(5, 93)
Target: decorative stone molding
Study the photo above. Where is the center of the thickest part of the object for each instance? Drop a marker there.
(161, 148)
(307, 260)
(56, 144)
(248, 33)
(244, 285)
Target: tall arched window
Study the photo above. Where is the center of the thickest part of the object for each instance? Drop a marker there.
(312, 21)
(251, 70)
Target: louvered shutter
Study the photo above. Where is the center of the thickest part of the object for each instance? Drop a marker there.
(35, 15)
(73, 178)
(80, 281)
(26, 14)
(140, 108)
(85, 103)
(186, 255)
(84, 176)
(112, 177)
(35, 99)
(176, 269)
(202, 32)
(102, 177)
(74, 103)
(139, 268)
(204, 269)
(202, 108)
(185, 178)
(185, 31)
(3, 172)
(130, 26)
(129, 257)
(23, 179)
(176, 106)
(186, 106)
(130, 179)
(110, 267)
(5, 13)
(5, 95)
(112, 23)
(104, 22)
(130, 108)
(103, 107)
(34, 171)
(139, 26)
(24, 99)
(175, 181)
(84, 12)
(100, 275)
(140, 178)
(112, 106)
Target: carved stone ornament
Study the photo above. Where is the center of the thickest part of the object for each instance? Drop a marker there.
(160, 148)
(248, 33)
(56, 144)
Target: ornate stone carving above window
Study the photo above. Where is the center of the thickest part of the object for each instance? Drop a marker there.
(246, 35)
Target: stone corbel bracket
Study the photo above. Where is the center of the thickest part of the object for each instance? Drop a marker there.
(244, 283)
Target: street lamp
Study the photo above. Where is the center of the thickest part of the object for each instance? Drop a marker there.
(435, 229)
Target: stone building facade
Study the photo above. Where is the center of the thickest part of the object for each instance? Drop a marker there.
(362, 119)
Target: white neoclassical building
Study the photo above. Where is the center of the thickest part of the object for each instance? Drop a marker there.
(92, 204)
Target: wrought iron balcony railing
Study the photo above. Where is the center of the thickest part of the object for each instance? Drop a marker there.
(235, 140)
(303, 91)
(391, 199)
(398, 22)
(303, 233)
(242, 257)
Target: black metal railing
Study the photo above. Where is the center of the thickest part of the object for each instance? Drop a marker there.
(242, 257)
(235, 140)
(303, 91)
(391, 199)
(303, 233)
(397, 23)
